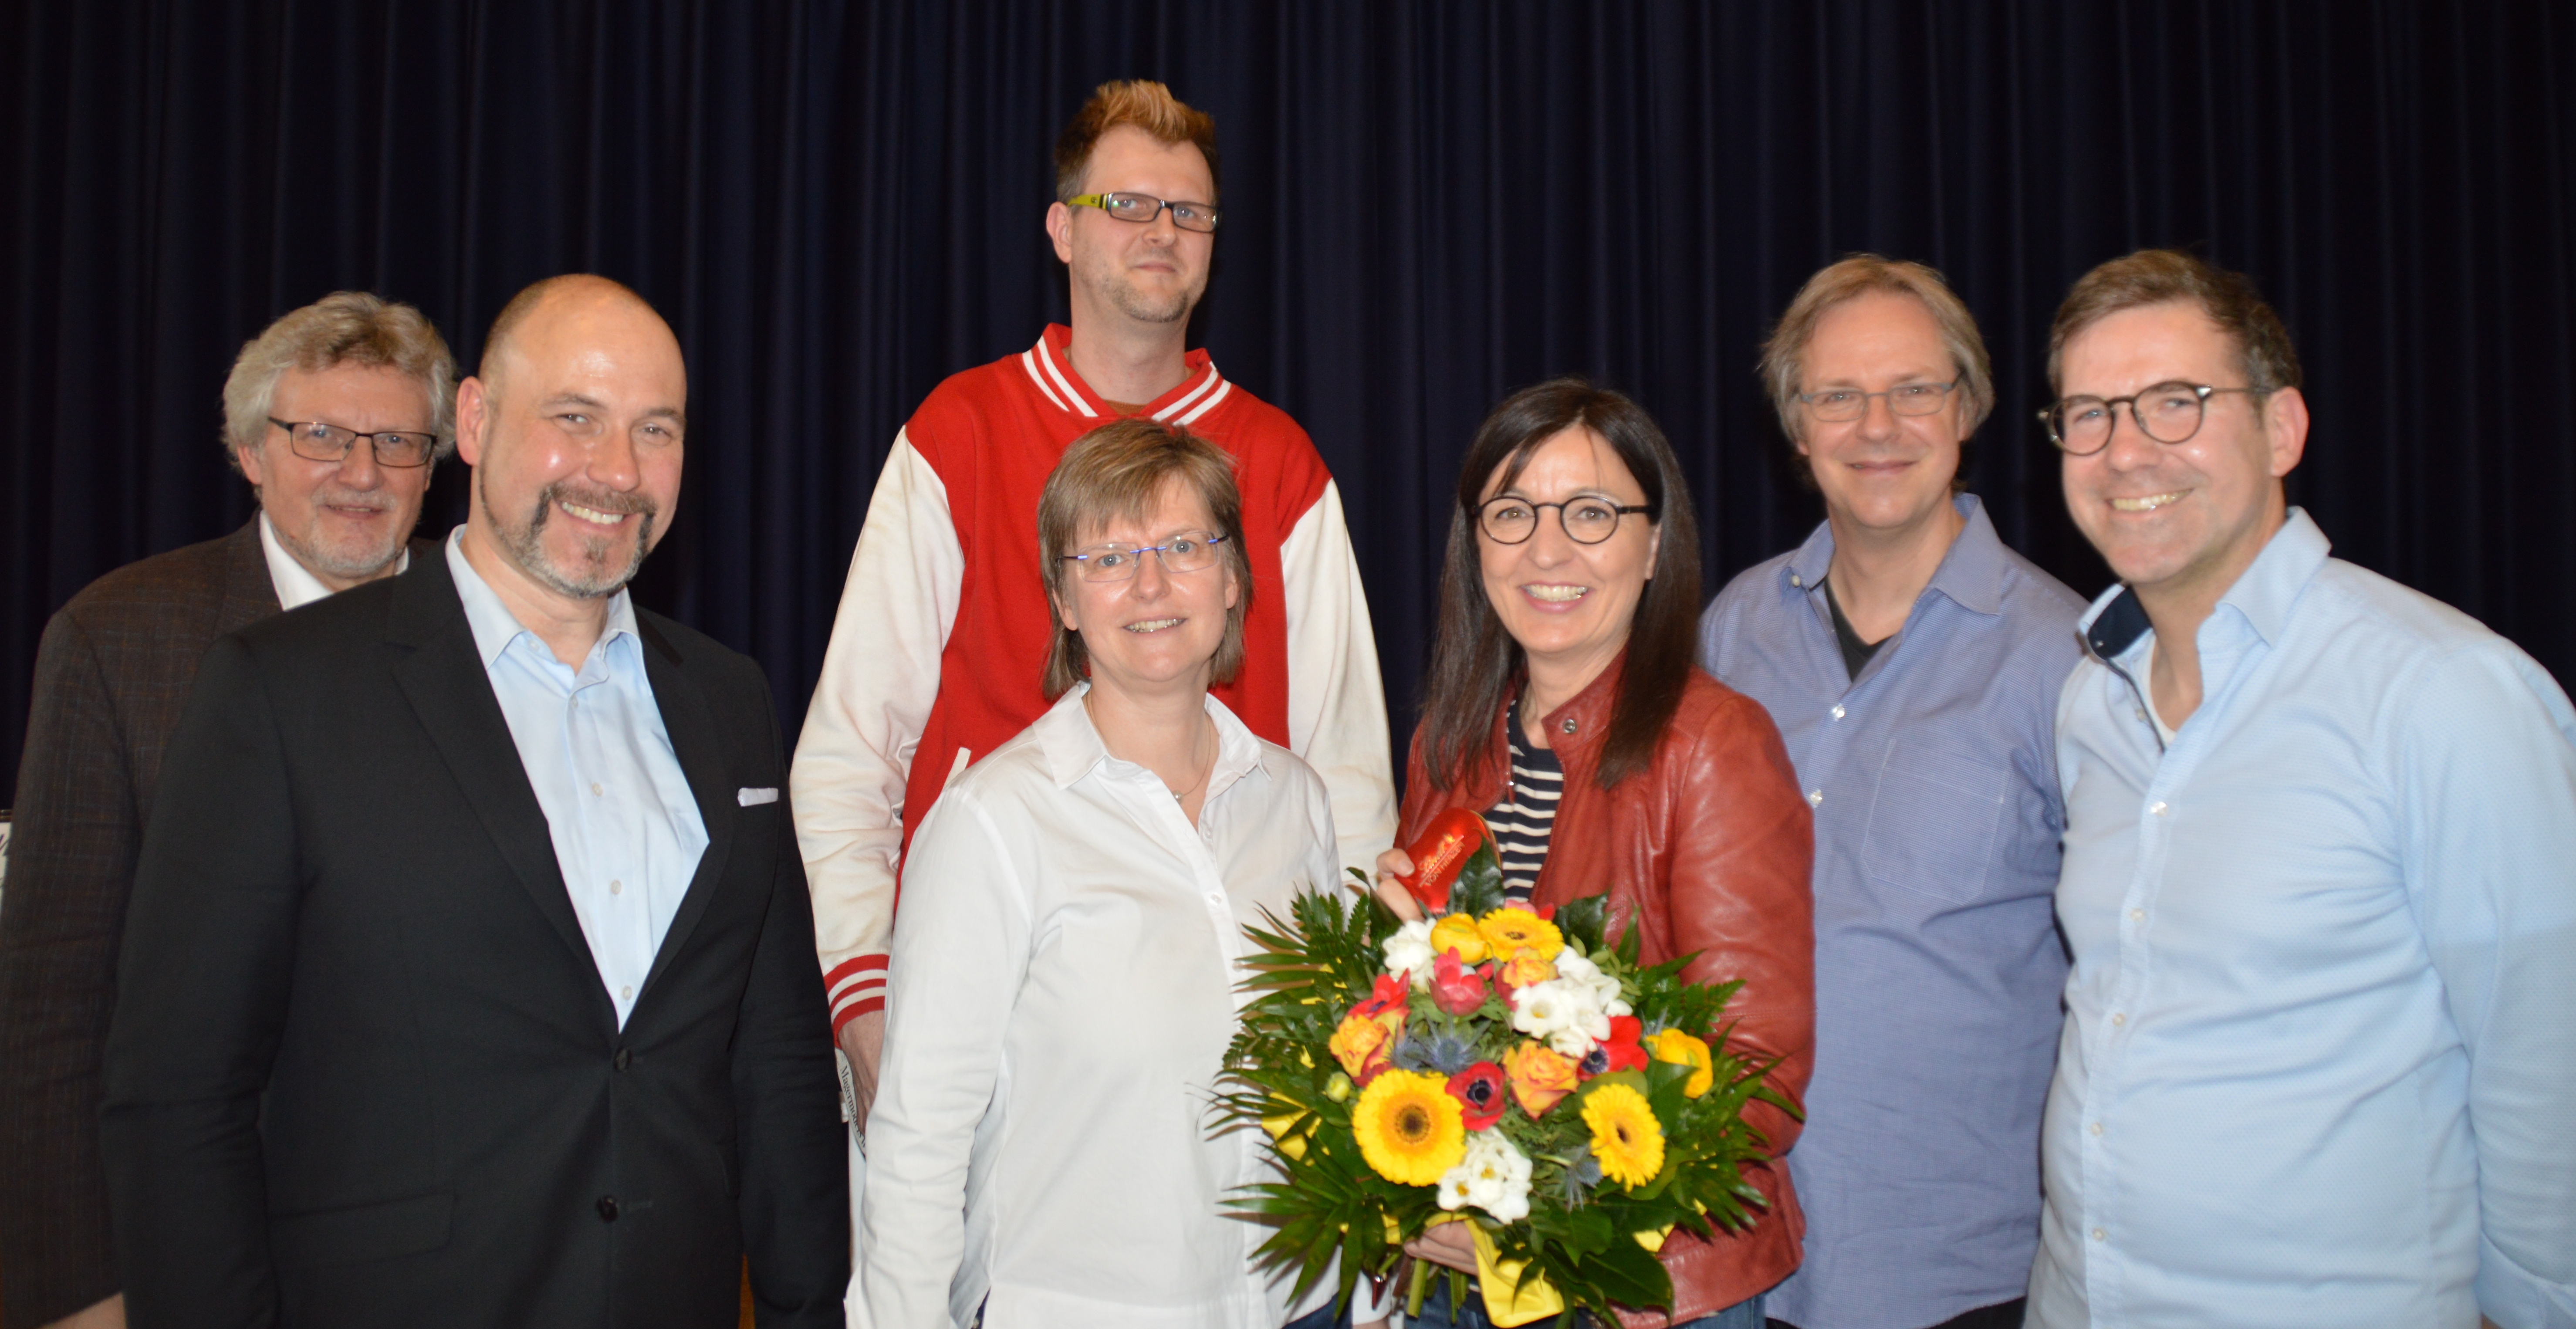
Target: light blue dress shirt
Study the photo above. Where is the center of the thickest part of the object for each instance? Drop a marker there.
(626, 827)
(1934, 779)
(2319, 1065)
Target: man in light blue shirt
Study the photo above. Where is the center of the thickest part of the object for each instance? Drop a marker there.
(2319, 1064)
(1913, 664)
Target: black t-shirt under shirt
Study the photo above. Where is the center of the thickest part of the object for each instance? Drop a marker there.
(1856, 653)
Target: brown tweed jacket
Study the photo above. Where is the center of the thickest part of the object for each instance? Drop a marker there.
(112, 677)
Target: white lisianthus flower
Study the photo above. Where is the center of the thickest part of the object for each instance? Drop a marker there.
(1409, 951)
(1573, 966)
(1564, 1015)
(1494, 1177)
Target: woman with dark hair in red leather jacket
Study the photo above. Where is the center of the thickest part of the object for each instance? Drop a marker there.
(1563, 705)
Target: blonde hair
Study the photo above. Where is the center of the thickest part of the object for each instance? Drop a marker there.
(1784, 355)
(1144, 104)
(1120, 470)
(342, 328)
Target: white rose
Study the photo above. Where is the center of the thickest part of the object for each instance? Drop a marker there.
(1409, 950)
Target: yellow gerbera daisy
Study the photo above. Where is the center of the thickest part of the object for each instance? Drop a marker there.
(1410, 1130)
(1511, 931)
(1675, 1046)
(1626, 1139)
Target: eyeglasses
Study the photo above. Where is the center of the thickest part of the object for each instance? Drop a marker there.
(1142, 209)
(1839, 404)
(1182, 551)
(2168, 413)
(316, 441)
(1587, 521)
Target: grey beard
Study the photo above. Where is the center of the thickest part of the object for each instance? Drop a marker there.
(347, 565)
(529, 552)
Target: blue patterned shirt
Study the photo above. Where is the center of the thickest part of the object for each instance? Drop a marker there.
(2319, 1065)
(1934, 779)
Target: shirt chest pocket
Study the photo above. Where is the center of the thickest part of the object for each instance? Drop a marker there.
(1933, 823)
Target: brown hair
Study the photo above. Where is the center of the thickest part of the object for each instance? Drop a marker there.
(342, 328)
(2160, 276)
(1475, 662)
(1784, 355)
(1119, 470)
(1146, 105)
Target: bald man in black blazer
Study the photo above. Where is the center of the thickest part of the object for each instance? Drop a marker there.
(368, 1066)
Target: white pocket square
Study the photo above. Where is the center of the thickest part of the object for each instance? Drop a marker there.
(752, 798)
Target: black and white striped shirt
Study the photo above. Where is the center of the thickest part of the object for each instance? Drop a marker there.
(1522, 821)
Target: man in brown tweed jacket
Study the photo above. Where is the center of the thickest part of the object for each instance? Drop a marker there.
(335, 414)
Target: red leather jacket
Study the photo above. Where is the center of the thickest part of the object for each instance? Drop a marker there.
(1707, 850)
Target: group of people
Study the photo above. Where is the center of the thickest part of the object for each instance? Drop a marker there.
(464, 946)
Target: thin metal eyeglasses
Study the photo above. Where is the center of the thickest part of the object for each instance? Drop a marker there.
(314, 440)
(1587, 521)
(1142, 209)
(2167, 413)
(1840, 404)
(1181, 551)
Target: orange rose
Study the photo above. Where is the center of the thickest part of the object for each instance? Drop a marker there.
(1539, 1077)
(1524, 969)
(1360, 1043)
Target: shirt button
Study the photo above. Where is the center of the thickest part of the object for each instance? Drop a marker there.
(607, 1208)
(621, 1059)
(628, 994)
(2118, 1019)
(616, 888)
(595, 789)
(2157, 808)
(2097, 1234)
(1815, 798)
(2142, 712)
(2137, 915)
(1838, 712)
(2095, 1128)
(1794, 581)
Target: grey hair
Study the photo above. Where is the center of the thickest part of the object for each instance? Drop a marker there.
(344, 327)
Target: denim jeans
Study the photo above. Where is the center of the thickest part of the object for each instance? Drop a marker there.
(1437, 1313)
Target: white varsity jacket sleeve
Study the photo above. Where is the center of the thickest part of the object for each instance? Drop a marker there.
(880, 676)
(1336, 700)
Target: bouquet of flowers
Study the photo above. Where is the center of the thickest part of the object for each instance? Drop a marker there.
(1521, 1074)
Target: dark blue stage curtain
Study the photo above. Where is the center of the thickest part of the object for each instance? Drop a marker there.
(837, 204)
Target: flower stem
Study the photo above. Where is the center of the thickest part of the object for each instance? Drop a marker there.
(1421, 1284)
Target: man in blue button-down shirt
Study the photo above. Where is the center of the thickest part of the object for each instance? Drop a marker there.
(2319, 1064)
(1912, 663)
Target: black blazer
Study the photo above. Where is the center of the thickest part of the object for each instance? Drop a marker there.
(363, 1069)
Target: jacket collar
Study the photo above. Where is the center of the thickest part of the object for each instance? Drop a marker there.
(249, 594)
(1971, 574)
(1575, 729)
(1049, 364)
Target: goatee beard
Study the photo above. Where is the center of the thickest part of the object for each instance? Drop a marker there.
(594, 579)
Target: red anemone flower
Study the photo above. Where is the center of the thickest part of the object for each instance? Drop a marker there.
(1480, 1091)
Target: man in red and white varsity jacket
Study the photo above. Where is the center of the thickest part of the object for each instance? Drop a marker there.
(943, 629)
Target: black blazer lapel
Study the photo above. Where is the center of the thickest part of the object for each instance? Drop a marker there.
(443, 678)
(694, 741)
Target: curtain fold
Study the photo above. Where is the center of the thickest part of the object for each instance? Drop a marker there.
(837, 204)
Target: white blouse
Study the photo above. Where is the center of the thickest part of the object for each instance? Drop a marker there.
(1062, 990)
